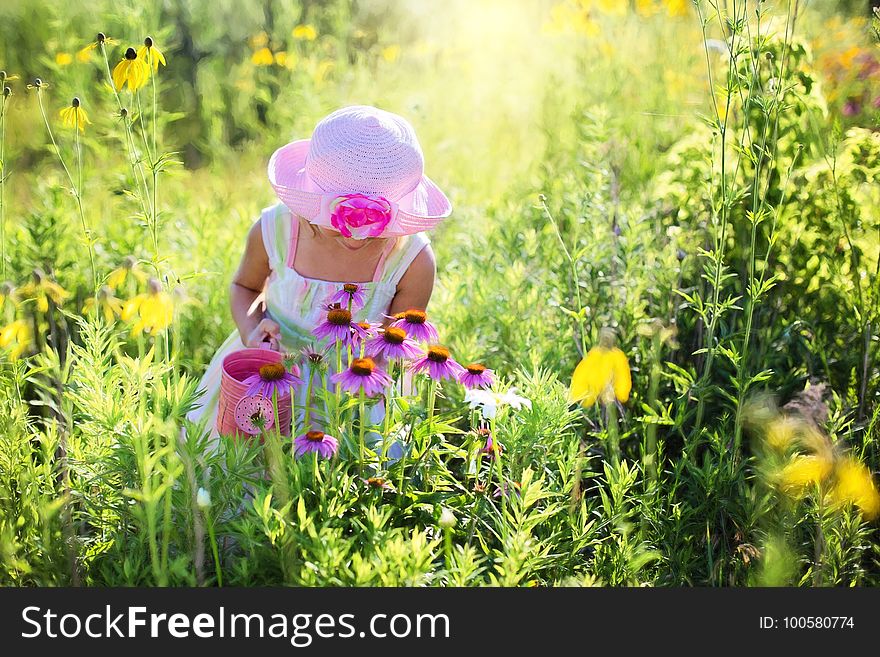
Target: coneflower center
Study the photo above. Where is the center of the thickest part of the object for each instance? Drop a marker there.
(476, 368)
(438, 354)
(376, 482)
(271, 371)
(351, 288)
(394, 335)
(362, 366)
(315, 436)
(339, 317)
(365, 325)
(130, 54)
(415, 316)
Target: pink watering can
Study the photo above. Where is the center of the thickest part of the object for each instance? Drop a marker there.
(239, 413)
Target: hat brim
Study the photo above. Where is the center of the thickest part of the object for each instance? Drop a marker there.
(421, 209)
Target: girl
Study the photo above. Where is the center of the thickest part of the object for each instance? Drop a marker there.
(354, 205)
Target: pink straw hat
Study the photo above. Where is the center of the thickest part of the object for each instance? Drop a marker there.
(361, 173)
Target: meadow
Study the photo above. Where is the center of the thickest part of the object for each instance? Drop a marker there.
(682, 198)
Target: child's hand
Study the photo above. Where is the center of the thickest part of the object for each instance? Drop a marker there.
(266, 330)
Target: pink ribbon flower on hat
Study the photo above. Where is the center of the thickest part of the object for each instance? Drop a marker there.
(359, 215)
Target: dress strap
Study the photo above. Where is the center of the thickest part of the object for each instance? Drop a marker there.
(294, 237)
(274, 229)
(389, 247)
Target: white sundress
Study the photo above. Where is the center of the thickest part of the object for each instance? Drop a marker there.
(295, 303)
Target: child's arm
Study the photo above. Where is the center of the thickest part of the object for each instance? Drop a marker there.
(414, 291)
(415, 287)
(247, 285)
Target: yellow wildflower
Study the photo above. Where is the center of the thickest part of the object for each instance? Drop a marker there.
(41, 290)
(129, 267)
(85, 53)
(305, 32)
(782, 432)
(63, 58)
(853, 484)
(677, 8)
(75, 116)
(131, 70)
(603, 374)
(285, 59)
(107, 303)
(151, 54)
(18, 336)
(647, 8)
(391, 53)
(612, 7)
(804, 471)
(262, 57)
(154, 310)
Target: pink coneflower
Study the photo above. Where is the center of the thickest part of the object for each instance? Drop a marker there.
(315, 441)
(416, 324)
(362, 374)
(272, 378)
(337, 326)
(314, 356)
(353, 292)
(393, 343)
(369, 330)
(438, 363)
(476, 375)
(489, 449)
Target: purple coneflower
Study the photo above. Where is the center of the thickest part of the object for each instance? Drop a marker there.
(438, 363)
(338, 326)
(353, 292)
(315, 441)
(477, 375)
(272, 377)
(314, 356)
(362, 374)
(393, 343)
(416, 324)
(368, 332)
(489, 449)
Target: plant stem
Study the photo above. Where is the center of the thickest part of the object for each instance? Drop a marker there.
(214, 551)
(3, 175)
(389, 403)
(363, 419)
(76, 191)
(574, 276)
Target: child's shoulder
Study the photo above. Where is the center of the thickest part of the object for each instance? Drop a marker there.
(274, 225)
